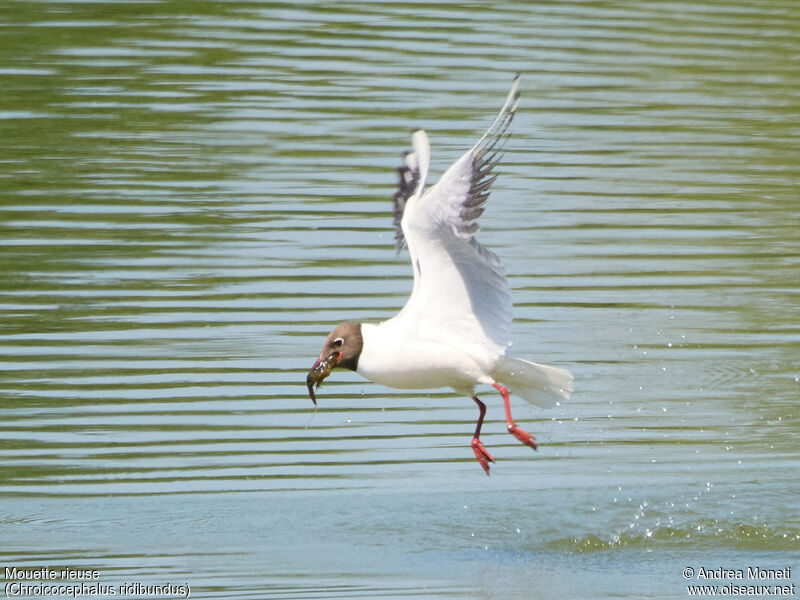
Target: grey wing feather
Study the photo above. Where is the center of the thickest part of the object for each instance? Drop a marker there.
(485, 155)
(482, 157)
(408, 175)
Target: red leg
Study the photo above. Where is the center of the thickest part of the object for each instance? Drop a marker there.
(522, 435)
(483, 456)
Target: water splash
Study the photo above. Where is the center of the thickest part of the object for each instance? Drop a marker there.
(702, 533)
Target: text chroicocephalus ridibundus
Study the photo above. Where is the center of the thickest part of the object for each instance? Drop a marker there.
(455, 329)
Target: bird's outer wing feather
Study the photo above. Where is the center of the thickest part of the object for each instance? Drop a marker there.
(412, 175)
(460, 286)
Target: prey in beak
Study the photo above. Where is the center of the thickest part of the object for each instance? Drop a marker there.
(320, 370)
(342, 348)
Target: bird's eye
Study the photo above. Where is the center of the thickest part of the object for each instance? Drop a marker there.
(338, 342)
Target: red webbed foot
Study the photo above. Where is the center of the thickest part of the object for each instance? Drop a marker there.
(522, 435)
(483, 456)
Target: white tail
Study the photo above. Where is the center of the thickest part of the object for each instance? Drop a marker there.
(539, 384)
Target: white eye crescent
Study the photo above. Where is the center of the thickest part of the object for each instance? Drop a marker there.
(338, 342)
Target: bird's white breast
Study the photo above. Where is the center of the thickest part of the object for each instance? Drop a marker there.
(400, 357)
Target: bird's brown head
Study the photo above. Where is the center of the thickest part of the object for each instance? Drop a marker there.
(342, 348)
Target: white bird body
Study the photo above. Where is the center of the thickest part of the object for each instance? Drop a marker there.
(403, 358)
(455, 329)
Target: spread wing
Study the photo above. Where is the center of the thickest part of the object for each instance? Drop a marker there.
(459, 285)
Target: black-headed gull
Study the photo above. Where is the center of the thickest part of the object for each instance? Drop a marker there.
(455, 329)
